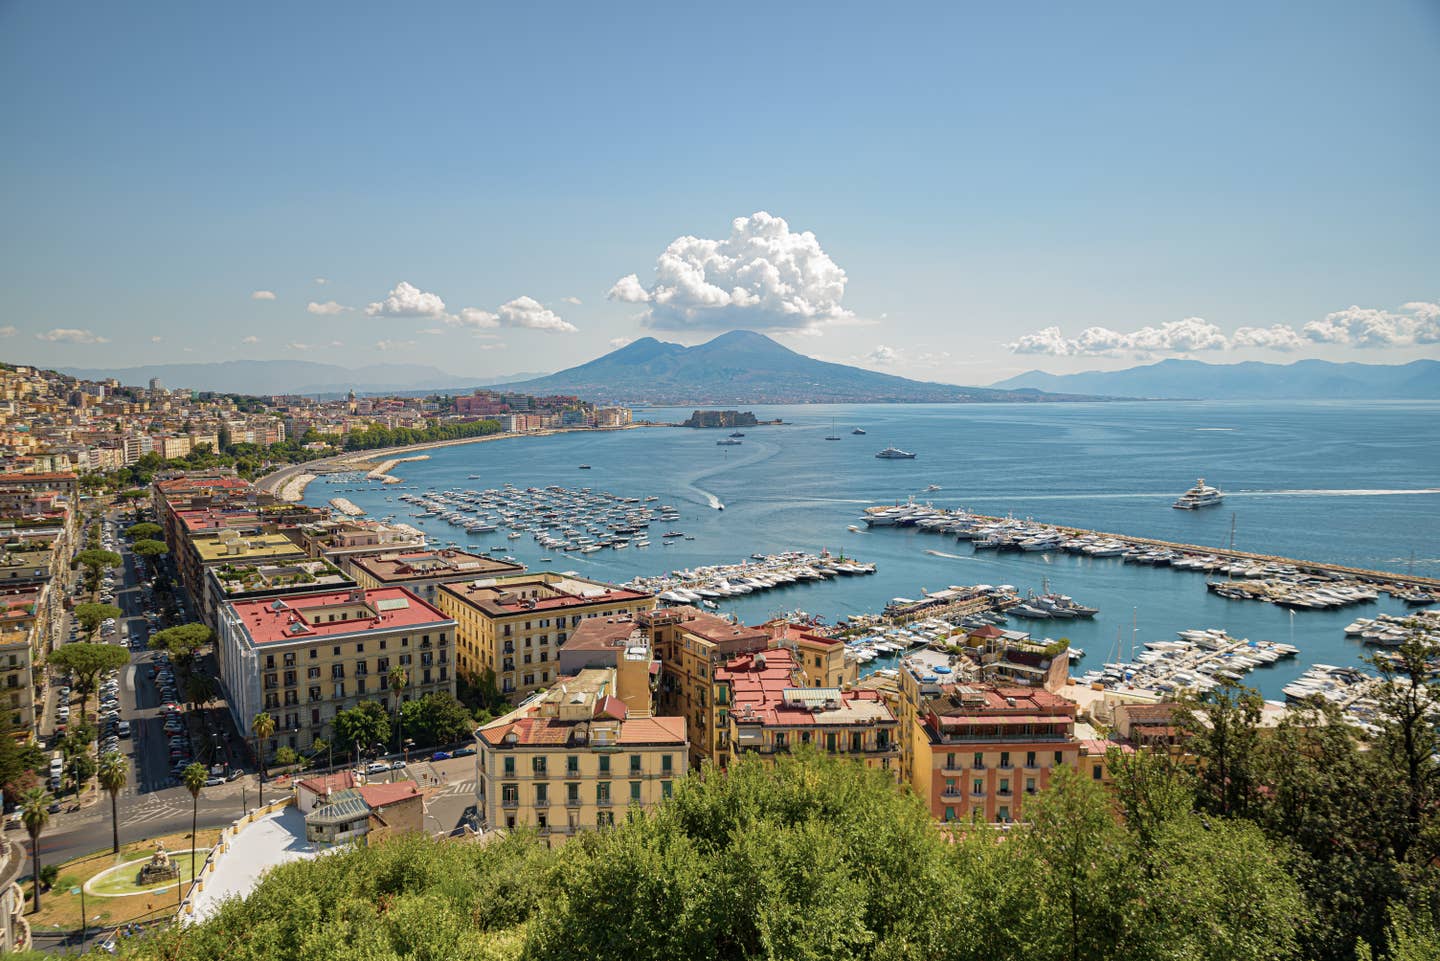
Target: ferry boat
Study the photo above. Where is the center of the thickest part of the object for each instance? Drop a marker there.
(895, 453)
(1201, 495)
(729, 442)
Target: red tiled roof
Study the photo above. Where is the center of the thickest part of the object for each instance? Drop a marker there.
(653, 730)
(379, 795)
(338, 781)
(270, 620)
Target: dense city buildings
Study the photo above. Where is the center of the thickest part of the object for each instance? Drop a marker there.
(422, 572)
(770, 713)
(576, 758)
(514, 627)
(304, 658)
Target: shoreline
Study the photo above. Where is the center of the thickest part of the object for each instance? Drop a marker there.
(289, 482)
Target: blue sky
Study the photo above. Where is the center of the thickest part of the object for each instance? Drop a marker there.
(1221, 181)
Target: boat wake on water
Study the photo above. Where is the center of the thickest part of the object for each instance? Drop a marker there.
(1360, 492)
(953, 557)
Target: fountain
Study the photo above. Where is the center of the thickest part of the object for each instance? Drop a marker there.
(158, 868)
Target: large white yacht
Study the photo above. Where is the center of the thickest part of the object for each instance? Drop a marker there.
(1201, 495)
(895, 453)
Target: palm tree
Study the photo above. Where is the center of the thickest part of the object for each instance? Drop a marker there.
(399, 680)
(113, 773)
(262, 726)
(194, 778)
(35, 814)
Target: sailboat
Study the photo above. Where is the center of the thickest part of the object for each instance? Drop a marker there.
(833, 435)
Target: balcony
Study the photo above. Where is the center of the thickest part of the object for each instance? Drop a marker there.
(603, 802)
(952, 794)
(572, 802)
(542, 802)
(510, 802)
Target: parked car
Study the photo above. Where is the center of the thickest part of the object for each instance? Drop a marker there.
(440, 756)
(377, 767)
(214, 781)
(123, 729)
(462, 752)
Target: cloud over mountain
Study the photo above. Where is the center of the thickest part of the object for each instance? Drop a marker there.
(763, 276)
(1417, 322)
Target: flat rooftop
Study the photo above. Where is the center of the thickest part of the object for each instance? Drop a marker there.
(249, 577)
(310, 617)
(241, 547)
(410, 566)
(539, 594)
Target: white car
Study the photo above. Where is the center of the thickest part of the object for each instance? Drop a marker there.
(377, 767)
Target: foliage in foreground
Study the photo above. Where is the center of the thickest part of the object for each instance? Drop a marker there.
(815, 859)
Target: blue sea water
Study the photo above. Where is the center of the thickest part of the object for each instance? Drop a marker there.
(1352, 483)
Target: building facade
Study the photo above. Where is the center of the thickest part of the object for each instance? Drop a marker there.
(575, 759)
(516, 626)
(305, 658)
(422, 572)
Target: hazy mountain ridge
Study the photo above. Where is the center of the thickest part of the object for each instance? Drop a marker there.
(743, 367)
(1251, 380)
(283, 377)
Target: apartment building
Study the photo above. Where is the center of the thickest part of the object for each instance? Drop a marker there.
(229, 548)
(692, 646)
(977, 751)
(17, 658)
(570, 759)
(341, 541)
(422, 572)
(516, 626)
(304, 658)
(769, 713)
(248, 580)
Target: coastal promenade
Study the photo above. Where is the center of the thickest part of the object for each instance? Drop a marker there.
(1359, 573)
(289, 482)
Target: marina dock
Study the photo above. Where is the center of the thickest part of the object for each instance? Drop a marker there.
(1384, 579)
(346, 506)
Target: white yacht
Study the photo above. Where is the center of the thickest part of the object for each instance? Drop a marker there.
(895, 453)
(1201, 495)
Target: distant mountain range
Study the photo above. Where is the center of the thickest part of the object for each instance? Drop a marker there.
(743, 367)
(291, 377)
(1302, 380)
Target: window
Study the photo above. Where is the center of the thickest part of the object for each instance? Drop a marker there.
(1004, 759)
(949, 813)
(635, 791)
(857, 742)
(542, 795)
(572, 794)
(1059, 757)
(509, 767)
(314, 693)
(602, 792)
(1029, 758)
(605, 819)
(314, 715)
(1003, 814)
(537, 765)
(977, 786)
(634, 764)
(666, 789)
(604, 764)
(979, 761)
(313, 673)
(1096, 772)
(510, 794)
(572, 765)
(1029, 785)
(314, 653)
(269, 662)
(1004, 787)
(666, 763)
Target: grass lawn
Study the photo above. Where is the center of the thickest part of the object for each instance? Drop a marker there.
(60, 910)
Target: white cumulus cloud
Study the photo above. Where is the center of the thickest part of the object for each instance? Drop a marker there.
(763, 276)
(252, 339)
(530, 313)
(1417, 322)
(322, 281)
(328, 308)
(475, 317)
(1274, 337)
(71, 335)
(394, 344)
(1414, 323)
(8, 331)
(263, 295)
(883, 355)
(618, 342)
(406, 300)
(570, 300)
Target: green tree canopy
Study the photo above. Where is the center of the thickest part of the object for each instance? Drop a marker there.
(435, 719)
(364, 724)
(85, 662)
(182, 641)
(91, 616)
(150, 548)
(144, 531)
